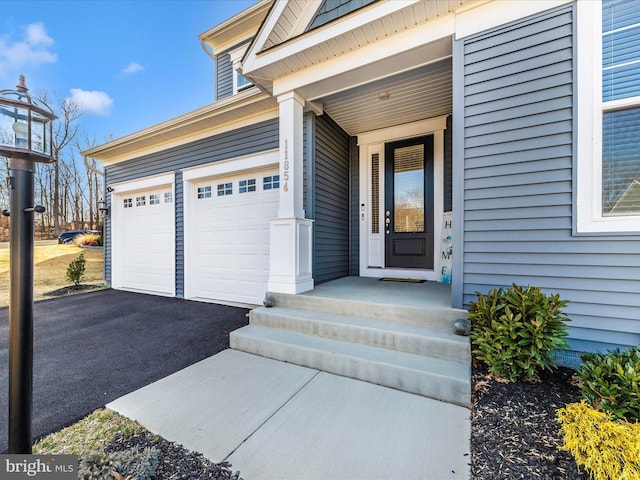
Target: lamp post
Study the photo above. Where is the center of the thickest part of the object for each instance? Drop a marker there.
(25, 138)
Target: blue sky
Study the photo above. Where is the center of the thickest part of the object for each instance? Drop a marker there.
(130, 64)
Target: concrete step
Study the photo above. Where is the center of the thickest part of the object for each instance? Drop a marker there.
(423, 375)
(434, 339)
(379, 309)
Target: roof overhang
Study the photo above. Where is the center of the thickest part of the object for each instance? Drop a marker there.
(230, 113)
(236, 29)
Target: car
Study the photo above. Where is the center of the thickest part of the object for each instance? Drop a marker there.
(70, 235)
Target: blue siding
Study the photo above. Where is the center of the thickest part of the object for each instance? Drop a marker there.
(224, 76)
(330, 198)
(243, 141)
(331, 9)
(517, 84)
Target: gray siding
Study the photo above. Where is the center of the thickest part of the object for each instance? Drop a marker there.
(224, 76)
(330, 201)
(243, 141)
(354, 172)
(448, 155)
(331, 9)
(519, 121)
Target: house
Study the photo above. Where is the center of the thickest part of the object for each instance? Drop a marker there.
(485, 142)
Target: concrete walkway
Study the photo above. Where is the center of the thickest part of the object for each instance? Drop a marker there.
(275, 420)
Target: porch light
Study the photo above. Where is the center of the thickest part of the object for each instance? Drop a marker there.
(25, 138)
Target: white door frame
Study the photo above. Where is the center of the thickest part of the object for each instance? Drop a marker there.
(120, 190)
(192, 176)
(372, 246)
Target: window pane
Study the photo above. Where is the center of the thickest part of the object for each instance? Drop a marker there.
(621, 163)
(375, 193)
(408, 184)
(620, 49)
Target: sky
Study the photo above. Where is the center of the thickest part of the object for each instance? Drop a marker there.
(128, 64)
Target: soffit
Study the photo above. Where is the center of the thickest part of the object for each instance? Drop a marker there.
(209, 120)
(415, 95)
(238, 28)
(354, 36)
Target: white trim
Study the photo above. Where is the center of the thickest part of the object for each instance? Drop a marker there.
(373, 142)
(589, 218)
(121, 190)
(194, 175)
(154, 181)
(484, 16)
(231, 166)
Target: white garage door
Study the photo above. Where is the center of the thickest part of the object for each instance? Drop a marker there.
(230, 236)
(144, 241)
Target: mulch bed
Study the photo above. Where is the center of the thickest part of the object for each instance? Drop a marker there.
(514, 431)
(72, 289)
(176, 462)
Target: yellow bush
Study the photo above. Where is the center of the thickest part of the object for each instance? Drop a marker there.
(608, 449)
(91, 239)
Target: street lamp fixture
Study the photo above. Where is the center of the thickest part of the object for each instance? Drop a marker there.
(103, 208)
(25, 138)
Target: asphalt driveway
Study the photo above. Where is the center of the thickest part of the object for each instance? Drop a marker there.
(92, 348)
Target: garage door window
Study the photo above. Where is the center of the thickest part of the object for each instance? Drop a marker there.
(204, 192)
(168, 197)
(141, 201)
(247, 185)
(225, 189)
(271, 182)
(154, 199)
(127, 202)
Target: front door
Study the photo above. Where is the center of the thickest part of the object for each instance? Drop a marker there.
(409, 203)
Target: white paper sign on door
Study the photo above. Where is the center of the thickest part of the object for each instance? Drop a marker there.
(446, 248)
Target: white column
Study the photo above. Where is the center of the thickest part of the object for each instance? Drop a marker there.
(290, 250)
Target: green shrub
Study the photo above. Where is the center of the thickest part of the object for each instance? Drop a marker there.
(131, 463)
(611, 381)
(76, 269)
(607, 448)
(515, 331)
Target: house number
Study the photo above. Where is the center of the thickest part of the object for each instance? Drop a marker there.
(285, 172)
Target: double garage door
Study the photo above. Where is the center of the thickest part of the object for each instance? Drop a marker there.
(226, 238)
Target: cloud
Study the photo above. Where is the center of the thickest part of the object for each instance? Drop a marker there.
(31, 50)
(133, 67)
(92, 101)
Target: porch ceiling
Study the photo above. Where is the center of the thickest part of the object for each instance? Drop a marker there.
(410, 96)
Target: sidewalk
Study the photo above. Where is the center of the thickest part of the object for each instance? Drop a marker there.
(274, 420)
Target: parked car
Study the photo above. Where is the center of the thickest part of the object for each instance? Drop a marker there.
(70, 235)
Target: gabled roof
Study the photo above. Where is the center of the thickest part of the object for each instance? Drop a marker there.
(283, 44)
(236, 29)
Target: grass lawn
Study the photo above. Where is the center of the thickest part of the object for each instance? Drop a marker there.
(50, 269)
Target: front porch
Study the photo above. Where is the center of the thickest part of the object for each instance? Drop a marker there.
(397, 334)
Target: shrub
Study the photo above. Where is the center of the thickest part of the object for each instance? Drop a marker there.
(89, 239)
(131, 463)
(76, 269)
(611, 382)
(608, 449)
(515, 331)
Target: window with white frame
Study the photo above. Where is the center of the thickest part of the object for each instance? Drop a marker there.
(608, 174)
(245, 186)
(271, 182)
(168, 197)
(204, 192)
(141, 201)
(127, 202)
(225, 189)
(154, 199)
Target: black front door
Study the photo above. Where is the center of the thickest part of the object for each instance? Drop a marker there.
(409, 203)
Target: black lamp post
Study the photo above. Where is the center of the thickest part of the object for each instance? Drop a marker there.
(25, 138)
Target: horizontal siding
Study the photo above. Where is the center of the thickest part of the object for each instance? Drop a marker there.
(331, 201)
(243, 141)
(518, 189)
(354, 240)
(224, 76)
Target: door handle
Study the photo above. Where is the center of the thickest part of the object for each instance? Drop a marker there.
(387, 222)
